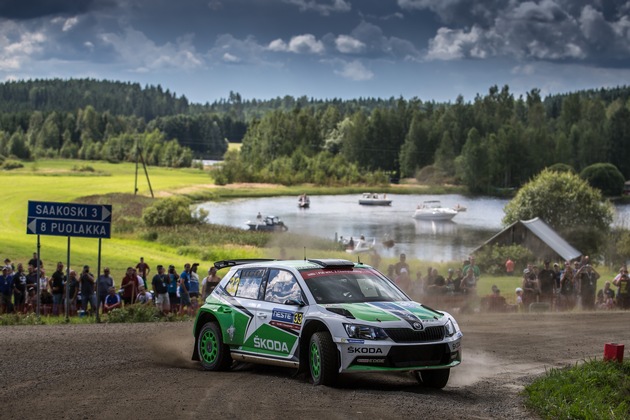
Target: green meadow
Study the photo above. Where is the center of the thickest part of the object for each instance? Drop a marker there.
(56, 181)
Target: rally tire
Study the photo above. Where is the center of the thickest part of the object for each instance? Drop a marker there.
(213, 353)
(323, 359)
(433, 378)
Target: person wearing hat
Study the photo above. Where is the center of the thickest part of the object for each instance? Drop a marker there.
(6, 289)
(519, 299)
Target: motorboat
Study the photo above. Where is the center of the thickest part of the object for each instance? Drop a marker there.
(433, 210)
(304, 201)
(360, 245)
(267, 224)
(374, 199)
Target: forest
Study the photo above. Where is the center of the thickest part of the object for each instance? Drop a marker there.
(495, 141)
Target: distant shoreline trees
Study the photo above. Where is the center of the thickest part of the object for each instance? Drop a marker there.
(493, 143)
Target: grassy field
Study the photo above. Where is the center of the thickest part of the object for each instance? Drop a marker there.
(54, 180)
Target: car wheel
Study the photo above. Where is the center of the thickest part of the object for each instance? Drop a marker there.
(322, 359)
(214, 355)
(433, 378)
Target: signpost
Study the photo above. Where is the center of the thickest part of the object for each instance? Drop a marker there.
(68, 219)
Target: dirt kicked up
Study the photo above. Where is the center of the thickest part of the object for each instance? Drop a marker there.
(144, 371)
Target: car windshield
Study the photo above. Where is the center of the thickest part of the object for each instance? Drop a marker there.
(351, 286)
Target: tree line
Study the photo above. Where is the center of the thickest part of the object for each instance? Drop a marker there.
(496, 141)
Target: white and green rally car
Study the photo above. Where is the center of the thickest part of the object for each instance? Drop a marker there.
(324, 316)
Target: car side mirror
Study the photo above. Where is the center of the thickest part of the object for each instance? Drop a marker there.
(295, 302)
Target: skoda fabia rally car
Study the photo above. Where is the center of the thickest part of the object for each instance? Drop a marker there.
(324, 317)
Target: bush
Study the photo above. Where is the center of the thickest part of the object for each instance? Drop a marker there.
(604, 176)
(171, 211)
(83, 168)
(10, 164)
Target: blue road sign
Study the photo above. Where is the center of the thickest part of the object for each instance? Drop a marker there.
(68, 219)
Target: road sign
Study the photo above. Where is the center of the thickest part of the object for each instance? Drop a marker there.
(68, 219)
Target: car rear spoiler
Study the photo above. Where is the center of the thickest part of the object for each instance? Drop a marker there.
(233, 263)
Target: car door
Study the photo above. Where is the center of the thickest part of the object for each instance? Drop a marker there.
(243, 291)
(279, 323)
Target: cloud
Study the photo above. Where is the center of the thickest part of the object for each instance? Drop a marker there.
(230, 50)
(349, 45)
(141, 54)
(354, 70)
(300, 44)
(19, 45)
(551, 30)
(323, 8)
(67, 23)
(379, 45)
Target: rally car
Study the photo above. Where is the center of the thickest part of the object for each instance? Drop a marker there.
(323, 317)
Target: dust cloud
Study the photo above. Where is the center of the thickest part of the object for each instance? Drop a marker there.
(173, 349)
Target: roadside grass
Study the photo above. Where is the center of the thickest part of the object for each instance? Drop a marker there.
(128, 314)
(590, 390)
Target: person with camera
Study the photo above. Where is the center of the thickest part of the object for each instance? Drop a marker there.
(87, 283)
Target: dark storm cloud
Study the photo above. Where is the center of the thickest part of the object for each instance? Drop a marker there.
(595, 33)
(20, 9)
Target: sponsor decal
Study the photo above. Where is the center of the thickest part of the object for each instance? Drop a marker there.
(365, 350)
(269, 344)
(381, 361)
(286, 320)
(231, 331)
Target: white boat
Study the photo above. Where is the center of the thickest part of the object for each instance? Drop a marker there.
(433, 210)
(373, 199)
(267, 224)
(361, 245)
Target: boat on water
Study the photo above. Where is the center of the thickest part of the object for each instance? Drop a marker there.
(359, 246)
(304, 201)
(267, 224)
(433, 210)
(374, 199)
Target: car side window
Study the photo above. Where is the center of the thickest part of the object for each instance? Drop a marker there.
(246, 283)
(282, 286)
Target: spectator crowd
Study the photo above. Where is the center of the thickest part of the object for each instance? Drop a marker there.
(557, 287)
(81, 292)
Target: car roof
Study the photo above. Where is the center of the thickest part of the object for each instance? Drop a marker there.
(297, 264)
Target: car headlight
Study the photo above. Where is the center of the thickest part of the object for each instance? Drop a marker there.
(451, 329)
(365, 332)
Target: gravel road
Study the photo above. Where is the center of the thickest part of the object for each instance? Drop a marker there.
(144, 371)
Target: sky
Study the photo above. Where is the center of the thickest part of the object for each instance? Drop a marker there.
(324, 49)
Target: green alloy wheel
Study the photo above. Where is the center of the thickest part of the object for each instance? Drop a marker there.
(213, 353)
(322, 357)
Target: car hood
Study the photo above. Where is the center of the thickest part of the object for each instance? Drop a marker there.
(384, 311)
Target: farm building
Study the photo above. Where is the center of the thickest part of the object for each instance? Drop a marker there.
(536, 236)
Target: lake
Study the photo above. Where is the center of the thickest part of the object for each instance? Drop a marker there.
(332, 216)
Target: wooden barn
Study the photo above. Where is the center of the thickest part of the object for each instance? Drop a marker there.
(536, 236)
